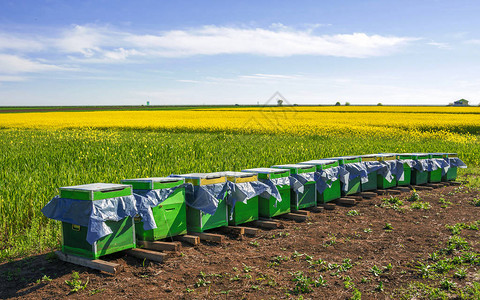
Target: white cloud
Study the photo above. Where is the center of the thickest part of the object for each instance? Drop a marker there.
(83, 44)
(8, 78)
(102, 43)
(121, 54)
(277, 42)
(12, 64)
(188, 81)
(26, 44)
(242, 79)
(473, 42)
(270, 76)
(439, 45)
(81, 39)
(95, 44)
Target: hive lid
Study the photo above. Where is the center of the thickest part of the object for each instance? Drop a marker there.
(202, 175)
(295, 166)
(386, 154)
(369, 155)
(96, 187)
(345, 157)
(319, 162)
(442, 153)
(266, 170)
(412, 153)
(153, 179)
(238, 174)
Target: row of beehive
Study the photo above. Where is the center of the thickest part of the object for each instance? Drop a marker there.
(178, 213)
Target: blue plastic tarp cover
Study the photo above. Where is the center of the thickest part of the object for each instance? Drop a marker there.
(242, 192)
(91, 214)
(391, 168)
(409, 162)
(273, 190)
(451, 162)
(304, 177)
(434, 164)
(421, 165)
(205, 197)
(355, 170)
(326, 177)
(372, 166)
(298, 181)
(147, 199)
(439, 163)
(456, 162)
(358, 169)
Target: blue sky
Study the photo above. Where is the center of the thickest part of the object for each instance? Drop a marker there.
(228, 52)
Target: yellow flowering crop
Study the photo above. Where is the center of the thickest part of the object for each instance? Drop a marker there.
(382, 121)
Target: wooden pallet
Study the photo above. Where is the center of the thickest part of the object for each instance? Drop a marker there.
(328, 205)
(148, 254)
(368, 195)
(381, 192)
(295, 217)
(187, 238)
(403, 189)
(393, 192)
(357, 197)
(266, 224)
(209, 237)
(317, 209)
(251, 231)
(346, 201)
(422, 188)
(160, 245)
(96, 264)
(454, 183)
(301, 212)
(436, 185)
(239, 230)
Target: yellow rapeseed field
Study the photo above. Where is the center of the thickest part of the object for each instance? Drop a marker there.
(450, 123)
(383, 121)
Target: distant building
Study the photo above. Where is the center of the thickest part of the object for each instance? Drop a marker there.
(461, 102)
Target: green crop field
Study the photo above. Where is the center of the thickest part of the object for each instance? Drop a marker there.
(36, 162)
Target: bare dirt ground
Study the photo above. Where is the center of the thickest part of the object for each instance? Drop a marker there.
(334, 255)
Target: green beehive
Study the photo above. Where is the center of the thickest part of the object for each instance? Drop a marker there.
(435, 176)
(334, 191)
(170, 216)
(309, 196)
(382, 183)
(269, 207)
(452, 171)
(198, 221)
(74, 237)
(418, 177)
(371, 184)
(354, 185)
(407, 170)
(242, 213)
